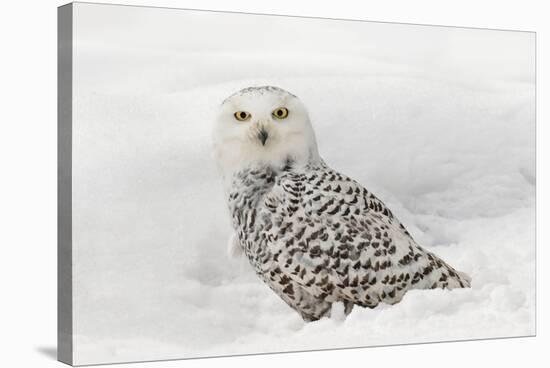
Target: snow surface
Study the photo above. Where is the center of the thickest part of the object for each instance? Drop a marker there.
(438, 122)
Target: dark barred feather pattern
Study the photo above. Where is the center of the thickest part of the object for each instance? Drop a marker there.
(317, 237)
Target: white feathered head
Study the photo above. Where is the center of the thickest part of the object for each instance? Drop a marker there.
(263, 126)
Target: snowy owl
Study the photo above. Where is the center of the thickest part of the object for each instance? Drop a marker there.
(315, 236)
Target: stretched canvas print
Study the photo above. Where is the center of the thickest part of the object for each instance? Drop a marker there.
(241, 183)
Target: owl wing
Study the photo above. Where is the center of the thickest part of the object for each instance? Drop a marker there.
(338, 241)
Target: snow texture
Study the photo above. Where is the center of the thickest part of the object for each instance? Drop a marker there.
(438, 122)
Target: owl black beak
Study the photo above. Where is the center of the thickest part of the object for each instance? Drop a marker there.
(262, 136)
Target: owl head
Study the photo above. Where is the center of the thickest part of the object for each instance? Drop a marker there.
(263, 126)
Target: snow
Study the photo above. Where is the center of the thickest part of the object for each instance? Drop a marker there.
(438, 122)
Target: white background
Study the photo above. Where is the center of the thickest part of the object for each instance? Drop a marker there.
(28, 202)
(452, 102)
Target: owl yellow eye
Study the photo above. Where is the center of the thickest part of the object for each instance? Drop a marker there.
(242, 115)
(280, 113)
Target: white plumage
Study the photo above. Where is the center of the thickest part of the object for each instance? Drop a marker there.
(313, 235)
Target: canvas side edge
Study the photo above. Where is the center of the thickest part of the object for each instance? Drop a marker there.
(64, 183)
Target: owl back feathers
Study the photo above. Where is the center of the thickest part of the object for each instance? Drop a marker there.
(317, 237)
